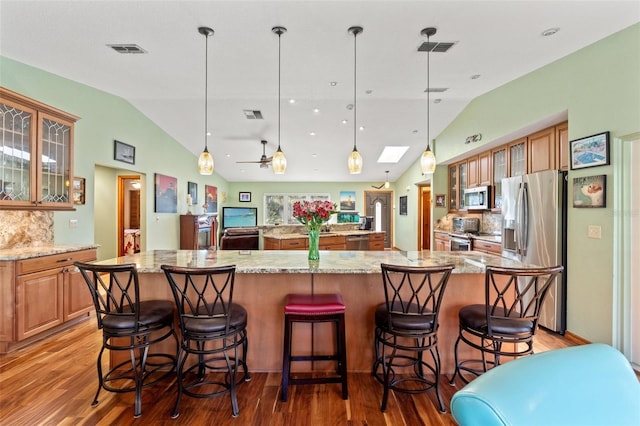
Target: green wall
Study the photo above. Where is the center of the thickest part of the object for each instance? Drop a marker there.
(599, 88)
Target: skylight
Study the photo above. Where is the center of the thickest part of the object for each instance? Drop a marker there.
(392, 154)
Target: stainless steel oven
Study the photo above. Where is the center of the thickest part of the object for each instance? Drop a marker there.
(459, 243)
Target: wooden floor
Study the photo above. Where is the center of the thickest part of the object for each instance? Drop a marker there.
(53, 382)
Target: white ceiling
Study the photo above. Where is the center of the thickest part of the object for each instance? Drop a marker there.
(499, 40)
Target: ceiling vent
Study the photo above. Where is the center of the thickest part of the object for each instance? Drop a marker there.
(252, 114)
(127, 48)
(436, 89)
(435, 47)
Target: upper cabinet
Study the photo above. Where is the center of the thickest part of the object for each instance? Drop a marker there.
(544, 150)
(37, 154)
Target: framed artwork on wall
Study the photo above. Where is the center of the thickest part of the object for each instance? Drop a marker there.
(590, 151)
(78, 190)
(441, 200)
(347, 200)
(210, 199)
(166, 198)
(590, 191)
(124, 152)
(244, 197)
(403, 205)
(192, 189)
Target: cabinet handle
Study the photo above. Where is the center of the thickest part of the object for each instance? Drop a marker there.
(65, 260)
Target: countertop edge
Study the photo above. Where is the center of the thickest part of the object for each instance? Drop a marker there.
(31, 252)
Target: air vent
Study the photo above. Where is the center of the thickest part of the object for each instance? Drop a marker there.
(252, 114)
(436, 89)
(127, 48)
(435, 47)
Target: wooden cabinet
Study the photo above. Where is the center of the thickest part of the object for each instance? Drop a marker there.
(472, 172)
(33, 130)
(541, 151)
(562, 146)
(462, 183)
(453, 187)
(376, 241)
(484, 168)
(517, 151)
(441, 241)
(40, 294)
(489, 247)
(332, 242)
(499, 172)
(197, 232)
(275, 243)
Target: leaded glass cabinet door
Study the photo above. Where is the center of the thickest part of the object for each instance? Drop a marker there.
(54, 161)
(17, 145)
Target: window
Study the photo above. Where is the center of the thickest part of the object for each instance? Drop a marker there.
(278, 208)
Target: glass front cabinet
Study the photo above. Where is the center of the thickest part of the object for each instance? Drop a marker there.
(36, 154)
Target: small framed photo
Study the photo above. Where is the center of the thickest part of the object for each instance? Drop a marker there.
(78, 190)
(590, 151)
(441, 200)
(124, 152)
(590, 191)
(403, 205)
(244, 197)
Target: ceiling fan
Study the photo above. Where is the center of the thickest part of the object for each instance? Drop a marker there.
(264, 160)
(385, 184)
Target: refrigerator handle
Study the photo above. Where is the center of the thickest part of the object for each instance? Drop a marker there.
(518, 222)
(524, 224)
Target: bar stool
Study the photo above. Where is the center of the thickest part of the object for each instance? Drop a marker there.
(314, 308)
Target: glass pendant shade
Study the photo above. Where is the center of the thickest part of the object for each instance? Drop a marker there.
(279, 162)
(205, 163)
(355, 162)
(428, 162)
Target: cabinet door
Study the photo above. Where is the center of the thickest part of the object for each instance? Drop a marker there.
(484, 168)
(39, 302)
(453, 188)
(462, 184)
(499, 173)
(518, 157)
(77, 295)
(18, 146)
(472, 172)
(562, 146)
(542, 151)
(55, 160)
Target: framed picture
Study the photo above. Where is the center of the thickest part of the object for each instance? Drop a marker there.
(590, 151)
(192, 189)
(210, 199)
(441, 200)
(78, 190)
(244, 197)
(590, 191)
(347, 200)
(124, 152)
(403, 205)
(166, 198)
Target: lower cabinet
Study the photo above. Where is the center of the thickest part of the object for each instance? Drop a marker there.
(376, 241)
(46, 292)
(487, 247)
(441, 241)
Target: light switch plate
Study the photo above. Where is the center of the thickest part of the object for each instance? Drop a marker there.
(73, 223)
(594, 231)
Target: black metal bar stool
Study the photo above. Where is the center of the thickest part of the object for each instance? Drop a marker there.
(314, 308)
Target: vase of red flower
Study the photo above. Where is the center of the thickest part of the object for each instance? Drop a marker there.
(313, 214)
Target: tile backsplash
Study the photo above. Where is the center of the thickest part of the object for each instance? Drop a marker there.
(23, 228)
(489, 222)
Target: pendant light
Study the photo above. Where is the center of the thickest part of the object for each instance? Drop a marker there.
(386, 182)
(279, 161)
(355, 159)
(428, 159)
(205, 160)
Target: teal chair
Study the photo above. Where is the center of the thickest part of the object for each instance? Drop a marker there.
(582, 385)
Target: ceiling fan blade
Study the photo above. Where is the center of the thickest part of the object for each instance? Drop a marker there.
(256, 162)
(377, 187)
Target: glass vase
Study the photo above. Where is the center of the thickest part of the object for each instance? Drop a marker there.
(314, 243)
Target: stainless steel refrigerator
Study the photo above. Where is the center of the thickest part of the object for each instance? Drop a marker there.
(534, 210)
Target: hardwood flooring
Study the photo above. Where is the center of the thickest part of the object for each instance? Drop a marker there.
(53, 383)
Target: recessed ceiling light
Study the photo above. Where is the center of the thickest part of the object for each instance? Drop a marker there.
(362, 128)
(368, 92)
(392, 154)
(314, 155)
(312, 133)
(344, 121)
(333, 83)
(550, 32)
(475, 76)
(228, 155)
(316, 110)
(292, 101)
(350, 107)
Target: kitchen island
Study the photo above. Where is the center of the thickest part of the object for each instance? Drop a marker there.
(263, 278)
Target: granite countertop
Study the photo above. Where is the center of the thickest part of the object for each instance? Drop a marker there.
(37, 251)
(295, 261)
(294, 235)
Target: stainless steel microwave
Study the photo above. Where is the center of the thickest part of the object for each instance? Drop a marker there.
(477, 198)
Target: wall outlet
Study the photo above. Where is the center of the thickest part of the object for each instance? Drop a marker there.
(594, 231)
(73, 223)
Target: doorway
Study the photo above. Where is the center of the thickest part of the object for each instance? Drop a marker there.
(424, 220)
(379, 206)
(128, 214)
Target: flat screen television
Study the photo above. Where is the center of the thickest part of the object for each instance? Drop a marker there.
(239, 217)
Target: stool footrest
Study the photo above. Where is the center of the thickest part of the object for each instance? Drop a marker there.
(314, 358)
(315, 380)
